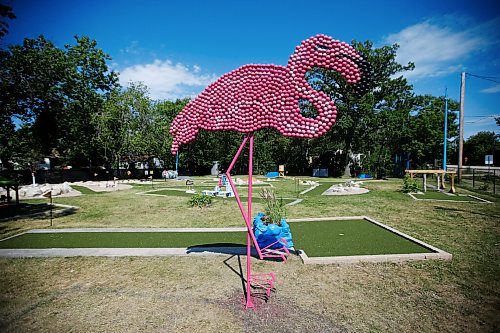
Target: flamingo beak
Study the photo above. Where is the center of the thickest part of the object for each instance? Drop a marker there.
(365, 84)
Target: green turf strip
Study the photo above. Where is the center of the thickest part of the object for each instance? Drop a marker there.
(319, 189)
(85, 190)
(123, 240)
(349, 238)
(435, 195)
(317, 239)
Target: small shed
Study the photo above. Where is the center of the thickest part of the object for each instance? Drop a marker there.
(9, 184)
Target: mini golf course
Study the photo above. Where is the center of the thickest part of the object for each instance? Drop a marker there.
(320, 238)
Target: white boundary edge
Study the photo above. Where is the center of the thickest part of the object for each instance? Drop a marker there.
(438, 253)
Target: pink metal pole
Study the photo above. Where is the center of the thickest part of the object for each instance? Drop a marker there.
(249, 215)
(250, 176)
(236, 195)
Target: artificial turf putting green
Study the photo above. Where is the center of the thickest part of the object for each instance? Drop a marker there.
(437, 195)
(319, 189)
(123, 240)
(317, 239)
(349, 238)
(85, 190)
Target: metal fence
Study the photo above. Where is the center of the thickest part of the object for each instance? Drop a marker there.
(486, 179)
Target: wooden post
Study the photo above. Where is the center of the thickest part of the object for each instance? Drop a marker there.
(425, 182)
(438, 182)
(452, 189)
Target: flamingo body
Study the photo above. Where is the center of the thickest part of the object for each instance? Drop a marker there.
(253, 97)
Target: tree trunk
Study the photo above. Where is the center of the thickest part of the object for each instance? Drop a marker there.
(348, 163)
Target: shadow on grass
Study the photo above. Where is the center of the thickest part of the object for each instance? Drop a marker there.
(449, 209)
(257, 293)
(238, 272)
(33, 211)
(222, 248)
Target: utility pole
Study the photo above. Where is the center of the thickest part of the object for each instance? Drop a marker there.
(445, 127)
(461, 143)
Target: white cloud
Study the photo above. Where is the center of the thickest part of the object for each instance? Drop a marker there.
(492, 90)
(133, 48)
(167, 80)
(439, 47)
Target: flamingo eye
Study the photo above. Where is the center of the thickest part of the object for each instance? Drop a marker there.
(321, 47)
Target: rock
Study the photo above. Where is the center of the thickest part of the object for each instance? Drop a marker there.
(56, 191)
(32, 191)
(65, 188)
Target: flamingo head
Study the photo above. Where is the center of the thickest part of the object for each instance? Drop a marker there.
(326, 52)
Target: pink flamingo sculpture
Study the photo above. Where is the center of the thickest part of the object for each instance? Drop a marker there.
(253, 97)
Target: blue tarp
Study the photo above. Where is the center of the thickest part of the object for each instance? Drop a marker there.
(365, 176)
(320, 172)
(273, 174)
(271, 233)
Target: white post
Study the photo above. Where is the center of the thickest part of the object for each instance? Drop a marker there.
(425, 182)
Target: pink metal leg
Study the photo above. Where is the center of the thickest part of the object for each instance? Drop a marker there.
(261, 280)
(249, 215)
(246, 217)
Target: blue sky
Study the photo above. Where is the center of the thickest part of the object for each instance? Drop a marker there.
(178, 47)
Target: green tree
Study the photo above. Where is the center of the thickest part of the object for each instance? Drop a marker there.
(426, 129)
(361, 122)
(479, 145)
(131, 127)
(53, 92)
(89, 84)
(31, 89)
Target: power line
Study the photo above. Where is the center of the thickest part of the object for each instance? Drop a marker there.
(478, 120)
(483, 116)
(487, 78)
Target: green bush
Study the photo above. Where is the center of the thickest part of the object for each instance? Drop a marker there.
(409, 185)
(200, 200)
